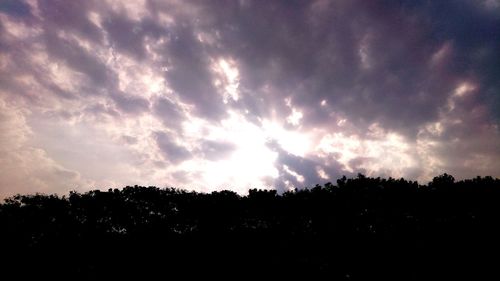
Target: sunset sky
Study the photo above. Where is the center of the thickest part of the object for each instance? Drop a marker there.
(209, 95)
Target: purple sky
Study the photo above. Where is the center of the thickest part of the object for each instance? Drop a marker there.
(209, 95)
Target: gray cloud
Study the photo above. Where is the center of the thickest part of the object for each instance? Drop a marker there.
(307, 168)
(190, 77)
(168, 112)
(80, 60)
(15, 8)
(125, 35)
(130, 104)
(215, 150)
(172, 152)
(72, 17)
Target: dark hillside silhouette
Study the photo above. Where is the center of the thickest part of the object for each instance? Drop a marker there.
(361, 228)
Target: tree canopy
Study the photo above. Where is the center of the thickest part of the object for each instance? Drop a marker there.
(360, 228)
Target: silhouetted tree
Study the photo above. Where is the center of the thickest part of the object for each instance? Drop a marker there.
(361, 228)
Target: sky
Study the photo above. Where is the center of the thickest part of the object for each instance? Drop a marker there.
(210, 95)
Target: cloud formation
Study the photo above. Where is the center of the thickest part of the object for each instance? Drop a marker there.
(185, 93)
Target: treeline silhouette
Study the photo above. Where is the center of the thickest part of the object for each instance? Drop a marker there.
(359, 228)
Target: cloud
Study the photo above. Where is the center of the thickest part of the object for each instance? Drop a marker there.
(130, 104)
(172, 152)
(315, 89)
(125, 35)
(26, 168)
(15, 8)
(463, 141)
(298, 171)
(214, 150)
(168, 112)
(79, 59)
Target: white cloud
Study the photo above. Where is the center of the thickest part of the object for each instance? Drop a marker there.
(26, 168)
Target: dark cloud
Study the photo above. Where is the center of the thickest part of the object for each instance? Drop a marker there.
(130, 104)
(172, 152)
(190, 76)
(316, 53)
(168, 112)
(80, 60)
(15, 8)
(72, 17)
(472, 26)
(307, 168)
(125, 35)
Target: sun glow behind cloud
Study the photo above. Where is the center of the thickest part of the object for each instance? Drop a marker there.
(248, 165)
(295, 142)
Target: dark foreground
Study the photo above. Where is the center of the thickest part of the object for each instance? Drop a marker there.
(361, 228)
